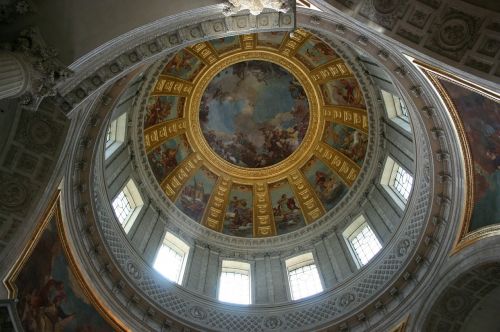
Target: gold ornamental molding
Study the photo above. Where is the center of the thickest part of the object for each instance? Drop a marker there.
(333, 70)
(353, 117)
(169, 85)
(272, 173)
(260, 179)
(154, 136)
(175, 180)
(347, 169)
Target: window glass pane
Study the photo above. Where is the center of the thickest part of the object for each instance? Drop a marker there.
(403, 108)
(365, 244)
(304, 281)
(234, 287)
(403, 182)
(108, 134)
(123, 208)
(169, 263)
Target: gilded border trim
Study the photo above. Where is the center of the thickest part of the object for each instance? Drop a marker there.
(54, 210)
(464, 238)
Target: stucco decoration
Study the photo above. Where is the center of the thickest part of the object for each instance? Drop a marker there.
(256, 6)
(45, 71)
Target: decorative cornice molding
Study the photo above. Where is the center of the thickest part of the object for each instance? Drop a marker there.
(382, 285)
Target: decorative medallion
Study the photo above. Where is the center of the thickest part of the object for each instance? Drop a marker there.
(256, 135)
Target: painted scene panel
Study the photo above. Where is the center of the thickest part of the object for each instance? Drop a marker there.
(270, 39)
(254, 114)
(226, 44)
(50, 298)
(195, 194)
(183, 65)
(327, 185)
(315, 53)
(163, 108)
(349, 141)
(288, 216)
(239, 213)
(168, 156)
(344, 91)
(481, 119)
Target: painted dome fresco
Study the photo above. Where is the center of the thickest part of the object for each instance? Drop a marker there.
(256, 135)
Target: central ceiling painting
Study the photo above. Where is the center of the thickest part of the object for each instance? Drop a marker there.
(254, 114)
(256, 135)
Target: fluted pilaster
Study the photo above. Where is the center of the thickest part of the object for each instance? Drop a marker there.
(14, 78)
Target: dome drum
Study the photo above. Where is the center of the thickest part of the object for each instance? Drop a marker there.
(345, 283)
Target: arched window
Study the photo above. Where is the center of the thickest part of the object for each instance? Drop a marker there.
(303, 276)
(171, 258)
(362, 241)
(127, 205)
(234, 282)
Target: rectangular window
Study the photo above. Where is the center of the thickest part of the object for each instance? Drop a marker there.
(303, 276)
(115, 135)
(127, 204)
(123, 208)
(403, 182)
(397, 182)
(396, 109)
(171, 258)
(234, 282)
(364, 243)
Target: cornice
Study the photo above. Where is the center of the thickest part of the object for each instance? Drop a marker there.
(382, 286)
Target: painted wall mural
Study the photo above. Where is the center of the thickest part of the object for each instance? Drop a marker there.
(327, 185)
(287, 213)
(50, 297)
(254, 114)
(270, 39)
(239, 214)
(165, 158)
(163, 108)
(233, 126)
(351, 142)
(315, 53)
(226, 44)
(195, 194)
(183, 65)
(481, 120)
(344, 91)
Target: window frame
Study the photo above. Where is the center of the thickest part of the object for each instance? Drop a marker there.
(388, 178)
(394, 106)
(234, 266)
(299, 261)
(116, 130)
(134, 199)
(181, 248)
(352, 231)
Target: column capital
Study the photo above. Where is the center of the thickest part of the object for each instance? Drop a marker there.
(42, 69)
